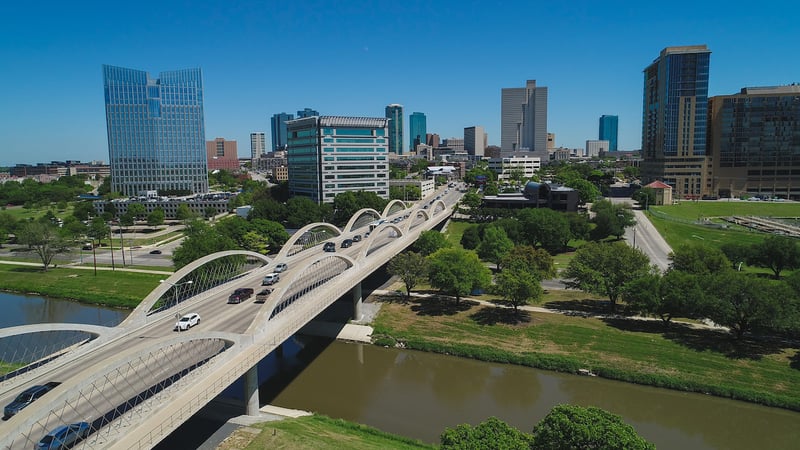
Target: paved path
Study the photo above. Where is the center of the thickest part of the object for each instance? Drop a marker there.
(70, 266)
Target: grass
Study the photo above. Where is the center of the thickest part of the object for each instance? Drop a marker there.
(644, 352)
(677, 233)
(455, 229)
(688, 210)
(117, 289)
(317, 432)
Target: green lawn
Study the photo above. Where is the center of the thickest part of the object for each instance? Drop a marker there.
(319, 433)
(677, 233)
(455, 229)
(689, 210)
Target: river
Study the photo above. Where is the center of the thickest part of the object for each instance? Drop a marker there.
(418, 394)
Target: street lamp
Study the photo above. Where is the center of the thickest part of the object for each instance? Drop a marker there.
(175, 288)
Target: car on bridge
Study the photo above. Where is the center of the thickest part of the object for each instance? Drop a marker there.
(357, 238)
(64, 436)
(280, 267)
(347, 243)
(27, 397)
(270, 279)
(329, 247)
(187, 321)
(240, 295)
(262, 296)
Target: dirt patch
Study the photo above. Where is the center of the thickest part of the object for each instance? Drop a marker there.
(239, 439)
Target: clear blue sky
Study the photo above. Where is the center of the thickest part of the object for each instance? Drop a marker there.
(448, 59)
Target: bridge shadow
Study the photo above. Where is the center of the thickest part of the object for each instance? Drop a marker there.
(703, 339)
(491, 315)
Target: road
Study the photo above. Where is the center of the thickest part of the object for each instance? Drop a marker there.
(646, 238)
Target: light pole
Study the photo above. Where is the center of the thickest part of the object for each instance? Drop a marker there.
(175, 289)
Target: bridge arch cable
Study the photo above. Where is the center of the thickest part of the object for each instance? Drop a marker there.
(361, 219)
(127, 391)
(439, 206)
(417, 218)
(308, 237)
(384, 234)
(393, 207)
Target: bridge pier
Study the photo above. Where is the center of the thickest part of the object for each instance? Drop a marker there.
(357, 301)
(251, 391)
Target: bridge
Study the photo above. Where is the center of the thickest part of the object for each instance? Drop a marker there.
(135, 383)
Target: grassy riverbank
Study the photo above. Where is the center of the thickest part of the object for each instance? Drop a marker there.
(317, 432)
(109, 288)
(644, 352)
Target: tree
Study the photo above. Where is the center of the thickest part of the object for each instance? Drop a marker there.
(491, 189)
(183, 213)
(210, 212)
(83, 210)
(699, 259)
(495, 245)
(471, 237)
(587, 191)
(536, 259)
(645, 197)
(543, 227)
(268, 208)
(674, 294)
(201, 240)
(98, 229)
(579, 225)
(138, 210)
(605, 268)
(519, 285)
(44, 239)
(491, 434)
(7, 225)
(302, 211)
(155, 218)
(736, 253)
(457, 272)
(274, 233)
(430, 241)
(742, 302)
(575, 427)
(611, 219)
(410, 267)
(776, 253)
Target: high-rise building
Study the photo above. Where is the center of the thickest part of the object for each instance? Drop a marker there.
(222, 155)
(596, 149)
(278, 126)
(258, 145)
(523, 120)
(417, 129)
(328, 155)
(551, 141)
(674, 120)
(754, 142)
(475, 140)
(609, 126)
(307, 112)
(394, 113)
(156, 132)
(432, 139)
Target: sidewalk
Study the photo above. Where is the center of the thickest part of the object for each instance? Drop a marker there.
(71, 266)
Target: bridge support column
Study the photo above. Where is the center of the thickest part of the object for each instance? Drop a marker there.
(251, 391)
(357, 301)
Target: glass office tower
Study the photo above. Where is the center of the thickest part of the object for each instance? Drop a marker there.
(608, 131)
(394, 113)
(156, 133)
(278, 128)
(417, 129)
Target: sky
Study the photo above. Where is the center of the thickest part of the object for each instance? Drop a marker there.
(447, 59)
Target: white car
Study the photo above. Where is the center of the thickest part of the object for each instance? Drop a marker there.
(187, 321)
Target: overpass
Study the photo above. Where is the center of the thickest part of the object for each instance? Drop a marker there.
(137, 382)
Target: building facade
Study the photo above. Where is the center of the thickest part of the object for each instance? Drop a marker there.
(394, 113)
(520, 164)
(475, 140)
(754, 142)
(417, 130)
(675, 119)
(523, 120)
(258, 145)
(609, 127)
(307, 112)
(596, 149)
(278, 128)
(222, 155)
(432, 139)
(156, 131)
(328, 155)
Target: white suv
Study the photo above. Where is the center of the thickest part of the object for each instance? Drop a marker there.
(187, 321)
(271, 279)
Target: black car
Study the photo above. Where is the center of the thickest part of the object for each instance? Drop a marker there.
(329, 247)
(240, 295)
(155, 252)
(27, 397)
(347, 243)
(357, 238)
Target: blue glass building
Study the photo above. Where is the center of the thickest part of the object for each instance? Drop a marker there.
(417, 129)
(156, 133)
(394, 113)
(278, 128)
(608, 131)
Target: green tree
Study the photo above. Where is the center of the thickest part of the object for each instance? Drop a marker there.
(273, 232)
(519, 285)
(742, 302)
(457, 272)
(210, 212)
(587, 191)
(699, 259)
(568, 427)
(471, 237)
(776, 253)
(429, 242)
(489, 435)
(302, 211)
(536, 259)
(155, 218)
(184, 213)
(579, 225)
(201, 240)
(645, 197)
(83, 210)
(44, 239)
(543, 227)
(611, 219)
(672, 295)
(269, 209)
(7, 225)
(494, 246)
(491, 189)
(98, 229)
(410, 267)
(138, 210)
(605, 268)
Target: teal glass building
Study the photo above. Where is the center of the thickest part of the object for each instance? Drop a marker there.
(394, 113)
(156, 131)
(609, 126)
(278, 128)
(417, 129)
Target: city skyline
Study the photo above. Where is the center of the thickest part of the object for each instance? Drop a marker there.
(51, 79)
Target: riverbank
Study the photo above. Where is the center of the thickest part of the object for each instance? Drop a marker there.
(682, 357)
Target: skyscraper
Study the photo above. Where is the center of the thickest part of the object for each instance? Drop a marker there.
(394, 113)
(608, 131)
(475, 140)
(523, 117)
(258, 144)
(328, 155)
(156, 132)
(417, 129)
(306, 112)
(278, 126)
(674, 120)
